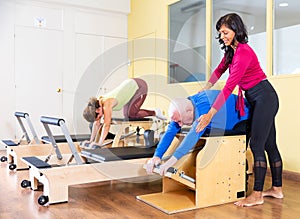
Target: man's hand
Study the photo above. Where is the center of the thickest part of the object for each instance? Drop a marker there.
(164, 167)
(154, 161)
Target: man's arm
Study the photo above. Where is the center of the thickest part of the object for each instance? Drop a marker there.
(163, 145)
(167, 138)
(189, 141)
(186, 145)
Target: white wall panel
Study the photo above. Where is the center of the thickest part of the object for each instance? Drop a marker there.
(61, 46)
(36, 16)
(89, 71)
(102, 23)
(120, 6)
(7, 88)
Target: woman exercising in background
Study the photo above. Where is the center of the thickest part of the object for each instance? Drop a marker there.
(129, 96)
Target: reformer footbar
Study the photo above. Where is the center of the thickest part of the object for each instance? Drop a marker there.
(9, 143)
(61, 123)
(19, 116)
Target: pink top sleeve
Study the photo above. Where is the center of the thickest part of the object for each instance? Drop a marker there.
(244, 71)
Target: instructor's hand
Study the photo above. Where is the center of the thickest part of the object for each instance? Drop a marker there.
(203, 120)
(207, 86)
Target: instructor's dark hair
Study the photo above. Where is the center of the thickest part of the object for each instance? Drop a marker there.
(236, 24)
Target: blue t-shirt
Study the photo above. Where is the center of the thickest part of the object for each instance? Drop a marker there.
(226, 118)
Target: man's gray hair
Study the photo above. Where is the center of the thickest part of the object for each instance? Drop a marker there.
(178, 104)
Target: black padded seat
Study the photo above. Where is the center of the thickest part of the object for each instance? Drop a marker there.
(222, 132)
(241, 128)
(132, 119)
(34, 161)
(118, 153)
(62, 138)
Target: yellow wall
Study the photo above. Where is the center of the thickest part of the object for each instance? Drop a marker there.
(288, 120)
(148, 34)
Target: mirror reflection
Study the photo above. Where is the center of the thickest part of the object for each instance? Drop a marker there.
(187, 44)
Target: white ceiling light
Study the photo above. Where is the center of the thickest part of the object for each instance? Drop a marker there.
(283, 4)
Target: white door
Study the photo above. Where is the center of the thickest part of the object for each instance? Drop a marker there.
(38, 73)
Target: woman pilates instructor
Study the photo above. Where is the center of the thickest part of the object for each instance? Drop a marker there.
(129, 96)
(245, 71)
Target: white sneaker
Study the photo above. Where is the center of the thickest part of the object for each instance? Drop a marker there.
(159, 114)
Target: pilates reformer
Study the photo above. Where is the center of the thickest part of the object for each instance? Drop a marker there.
(25, 139)
(117, 163)
(214, 175)
(39, 148)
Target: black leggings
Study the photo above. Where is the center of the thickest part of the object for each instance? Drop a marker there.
(264, 106)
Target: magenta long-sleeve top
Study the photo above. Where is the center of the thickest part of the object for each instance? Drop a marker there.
(244, 71)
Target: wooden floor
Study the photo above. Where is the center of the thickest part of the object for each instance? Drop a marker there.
(116, 199)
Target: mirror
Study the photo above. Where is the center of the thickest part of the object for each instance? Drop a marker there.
(187, 47)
